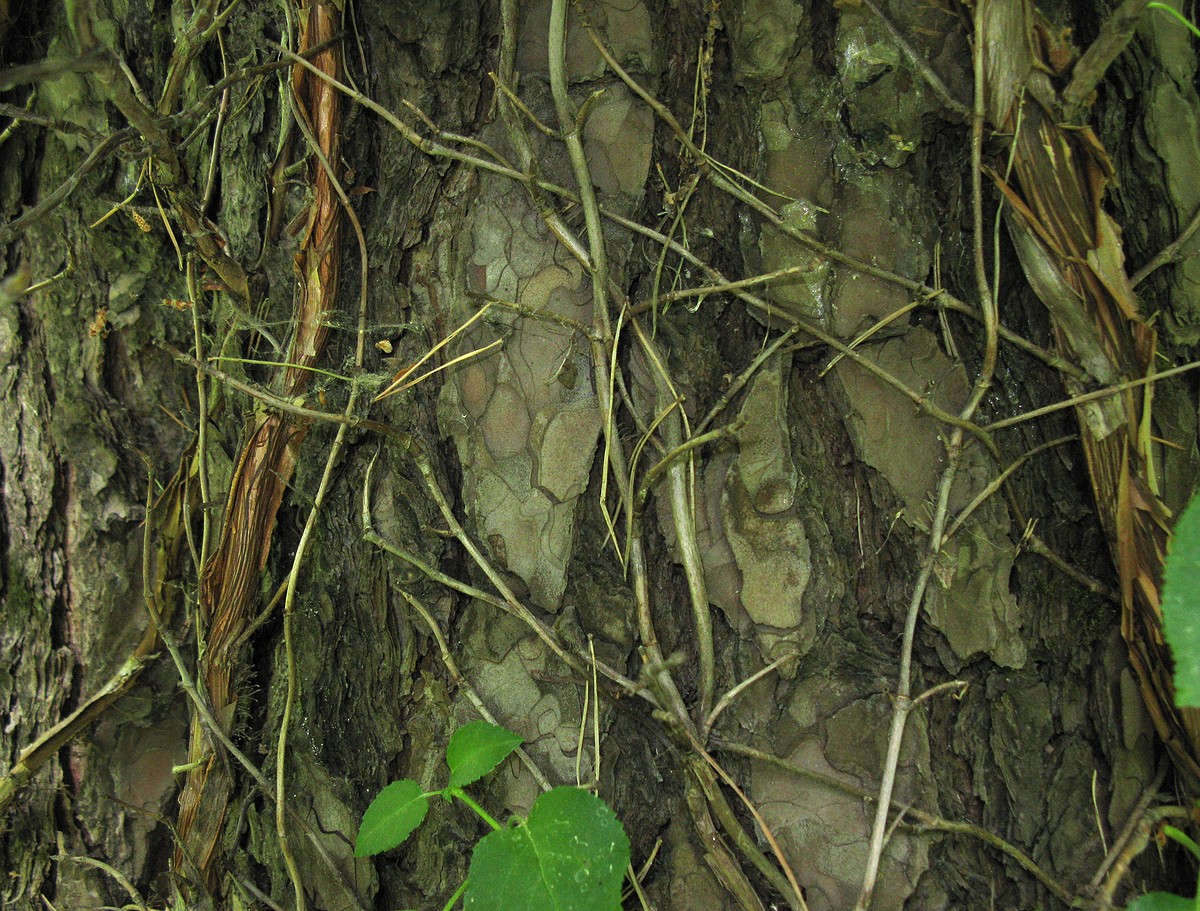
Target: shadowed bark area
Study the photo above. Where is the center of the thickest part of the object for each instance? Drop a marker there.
(660, 360)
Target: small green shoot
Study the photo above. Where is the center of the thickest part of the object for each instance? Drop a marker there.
(1168, 901)
(1162, 7)
(569, 855)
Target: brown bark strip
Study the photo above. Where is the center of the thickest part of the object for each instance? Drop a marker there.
(317, 262)
(1071, 252)
(266, 464)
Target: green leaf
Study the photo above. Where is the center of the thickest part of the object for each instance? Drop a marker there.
(1162, 901)
(477, 748)
(1181, 605)
(570, 855)
(392, 816)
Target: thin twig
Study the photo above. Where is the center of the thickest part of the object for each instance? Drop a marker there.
(437, 149)
(50, 68)
(731, 696)
(1034, 544)
(744, 377)
(921, 65)
(202, 413)
(1086, 397)
(188, 684)
(507, 602)
(57, 125)
(792, 892)
(680, 469)
(1168, 254)
(48, 745)
(903, 704)
(64, 189)
(461, 682)
(1149, 794)
(705, 290)
(958, 687)
(1134, 846)
(923, 819)
(121, 878)
(331, 461)
(997, 482)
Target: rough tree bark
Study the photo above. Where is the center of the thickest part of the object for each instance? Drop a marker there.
(789, 541)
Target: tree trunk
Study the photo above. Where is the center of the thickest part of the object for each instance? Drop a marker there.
(348, 568)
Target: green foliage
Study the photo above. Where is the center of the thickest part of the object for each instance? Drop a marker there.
(1181, 605)
(477, 748)
(391, 817)
(1181, 628)
(569, 855)
(1162, 901)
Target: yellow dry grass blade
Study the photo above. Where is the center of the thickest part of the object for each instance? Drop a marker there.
(400, 380)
